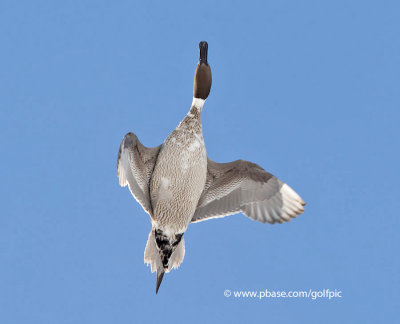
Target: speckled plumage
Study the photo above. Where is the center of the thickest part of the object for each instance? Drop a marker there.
(179, 175)
(177, 184)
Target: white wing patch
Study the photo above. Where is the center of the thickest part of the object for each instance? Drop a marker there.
(292, 204)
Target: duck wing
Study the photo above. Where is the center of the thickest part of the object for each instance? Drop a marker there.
(243, 186)
(134, 168)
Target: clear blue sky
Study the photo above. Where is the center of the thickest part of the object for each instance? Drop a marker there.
(307, 89)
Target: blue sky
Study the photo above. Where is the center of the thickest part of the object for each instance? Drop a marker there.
(307, 89)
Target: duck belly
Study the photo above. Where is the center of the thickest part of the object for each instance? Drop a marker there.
(177, 183)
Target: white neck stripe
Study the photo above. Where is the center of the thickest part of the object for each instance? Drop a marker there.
(198, 103)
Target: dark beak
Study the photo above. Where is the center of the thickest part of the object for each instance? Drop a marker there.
(203, 46)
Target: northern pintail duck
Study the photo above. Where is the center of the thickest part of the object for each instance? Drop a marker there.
(177, 184)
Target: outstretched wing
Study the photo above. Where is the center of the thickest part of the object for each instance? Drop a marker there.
(243, 186)
(134, 167)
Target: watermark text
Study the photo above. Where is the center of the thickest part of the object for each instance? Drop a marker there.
(266, 293)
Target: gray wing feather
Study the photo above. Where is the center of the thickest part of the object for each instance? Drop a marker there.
(134, 168)
(243, 186)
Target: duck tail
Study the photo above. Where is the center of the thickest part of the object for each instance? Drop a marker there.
(177, 257)
(151, 255)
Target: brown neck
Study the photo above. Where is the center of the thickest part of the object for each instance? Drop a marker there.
(202, 81)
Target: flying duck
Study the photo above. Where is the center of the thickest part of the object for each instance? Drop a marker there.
(176, 184)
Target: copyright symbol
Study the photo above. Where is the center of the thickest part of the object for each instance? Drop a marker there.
(227, 293)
